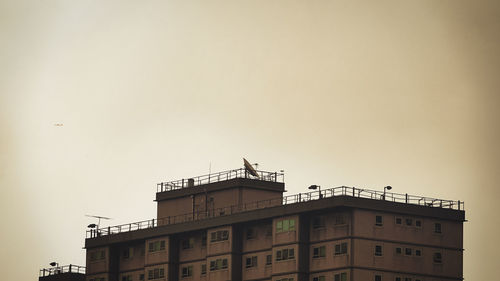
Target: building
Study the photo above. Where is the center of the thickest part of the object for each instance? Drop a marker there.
(234, 226)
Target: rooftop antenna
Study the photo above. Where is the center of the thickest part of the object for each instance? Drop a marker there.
(98, 217)
(249, 168)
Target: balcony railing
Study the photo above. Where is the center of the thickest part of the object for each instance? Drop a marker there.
(217, 177)
(71, 268)
(286, 200)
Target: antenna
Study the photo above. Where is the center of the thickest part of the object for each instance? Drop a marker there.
(249, 168)
(98, 217)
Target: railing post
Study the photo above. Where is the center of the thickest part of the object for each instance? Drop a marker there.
(406, 198)
(459, 205)
(353, 195)
(153, 223)
(69, 268)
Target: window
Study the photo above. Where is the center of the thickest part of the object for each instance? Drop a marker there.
(408, 251)
(218, 264)
(339, 220)
(156, 273)
(319, 278)
(409, 222)
(437, 258)
(250, 234)
(319, 252)
(407, 279)
(98, 255)
(378, 278)
(285, 225)
(141, 277)
(204, 239)
(187, 271)
(269, 231)
(378, 250)
(188, 243)
(397, 279)
(341, 277)
(220, 235)
(437, 228)
(204, 269)
(398, 251)
(418, 223)
(378, 221)
(318, 222)
(399, 220)
(269, 259)
(251, 262)
(418, 253)
(128, 253)
(285, 254)
(156, 246)
(285, 279)
(127, 278)
(341, 248)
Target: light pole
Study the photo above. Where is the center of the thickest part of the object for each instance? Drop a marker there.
(314, 187)
(386, 188)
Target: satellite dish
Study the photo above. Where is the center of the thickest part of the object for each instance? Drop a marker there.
(249, 168)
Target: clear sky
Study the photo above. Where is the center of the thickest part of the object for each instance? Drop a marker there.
(357, 93)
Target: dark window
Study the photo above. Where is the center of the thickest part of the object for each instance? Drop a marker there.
(409, 222)
(319, 252)
(204, 269)
(378, 278)
(399, 221)
(398, 251)
(319, 278)
(251, 261)
(341, 248)
(285, 254)
(128, 253)
(220, 235)
(187, 271)
(250, 233)
(204, 239)
(408, 251)
(98, 255)
(157, 246)
(339, 220)
(437, 228)
(397, 279)
(407, 279)
(141, 277)
(418, 253)
(218, 264)
(156, 273)
(269, 259)
(378, 250)
(378, 220)
(318, 222)
(188, 243)
(418, 223)
(437, 258)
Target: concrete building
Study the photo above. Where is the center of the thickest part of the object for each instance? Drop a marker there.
(234, 226)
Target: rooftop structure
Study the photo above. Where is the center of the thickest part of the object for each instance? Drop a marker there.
(69, 272)
(235, 226)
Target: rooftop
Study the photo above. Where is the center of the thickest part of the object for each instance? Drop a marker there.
(342, 191)
(219, 177)
(70, 268)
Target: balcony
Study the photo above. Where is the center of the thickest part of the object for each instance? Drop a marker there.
(56, 270)
(285, 200)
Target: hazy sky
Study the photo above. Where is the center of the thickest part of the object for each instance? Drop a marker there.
(357, 93)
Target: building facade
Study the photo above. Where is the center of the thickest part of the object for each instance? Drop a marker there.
(234, 226)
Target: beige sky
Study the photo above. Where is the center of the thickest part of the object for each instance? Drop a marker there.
(357, 93)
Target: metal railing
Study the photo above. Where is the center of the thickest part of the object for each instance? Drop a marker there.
(217, 177)
(70, 268)
(286, 200)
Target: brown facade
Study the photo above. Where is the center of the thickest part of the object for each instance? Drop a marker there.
(337, 238)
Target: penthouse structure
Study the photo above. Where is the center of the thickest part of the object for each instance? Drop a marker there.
(235, 226)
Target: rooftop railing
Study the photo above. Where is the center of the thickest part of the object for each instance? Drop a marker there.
(71, 268)
(285, 200)
(217, 177)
